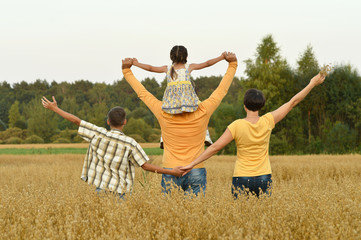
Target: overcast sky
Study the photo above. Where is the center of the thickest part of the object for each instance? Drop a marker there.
(70, 40)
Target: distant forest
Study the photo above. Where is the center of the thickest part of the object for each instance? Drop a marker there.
(327, 121)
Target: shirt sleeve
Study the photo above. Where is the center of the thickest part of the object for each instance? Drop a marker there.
(216, 97)
(88, 130)
(152, 102)
(270, 119)
(232, 128)
(138, 156)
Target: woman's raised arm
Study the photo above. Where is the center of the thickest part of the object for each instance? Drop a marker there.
(282, 111)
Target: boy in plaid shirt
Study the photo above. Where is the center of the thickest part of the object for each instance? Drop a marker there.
(111, 158)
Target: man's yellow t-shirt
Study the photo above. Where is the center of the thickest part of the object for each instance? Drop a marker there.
(252, 142)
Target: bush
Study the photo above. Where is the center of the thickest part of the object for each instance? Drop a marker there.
(78, 139)
(34, 139)
(14, 140)
(137, 138)
(154, 138)
(62, 140)
(340, 139)
(66, 134)
(12, 132)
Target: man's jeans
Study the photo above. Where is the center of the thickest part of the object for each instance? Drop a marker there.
(254, 185)
(193, 181)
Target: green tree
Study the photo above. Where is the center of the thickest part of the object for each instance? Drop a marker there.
(14, 114)
(313, 106)
(266, 72)
(41, 122)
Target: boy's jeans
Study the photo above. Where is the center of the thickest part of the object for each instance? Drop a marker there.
(193, 181)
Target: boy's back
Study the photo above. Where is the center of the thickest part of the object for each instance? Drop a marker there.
(111, 158)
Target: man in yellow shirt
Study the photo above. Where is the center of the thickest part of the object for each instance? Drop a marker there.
(252, 170)
(183, 134)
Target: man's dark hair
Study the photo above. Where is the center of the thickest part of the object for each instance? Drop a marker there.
(254, 99)
(116, 116)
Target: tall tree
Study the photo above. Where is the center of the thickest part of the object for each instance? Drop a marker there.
(314, 104)
(266, 72)
(14, 114)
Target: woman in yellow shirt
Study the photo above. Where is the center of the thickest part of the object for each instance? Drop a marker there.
(252, 172)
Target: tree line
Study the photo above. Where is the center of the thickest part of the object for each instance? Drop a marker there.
(328, 120)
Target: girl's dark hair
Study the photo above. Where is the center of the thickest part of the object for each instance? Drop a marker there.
(178, 54)
(116, 116)
(254, 99)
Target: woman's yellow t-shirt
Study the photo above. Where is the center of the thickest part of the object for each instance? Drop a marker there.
(252, 142)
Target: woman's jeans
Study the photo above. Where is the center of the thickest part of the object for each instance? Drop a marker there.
(193, 181)
(254, 185)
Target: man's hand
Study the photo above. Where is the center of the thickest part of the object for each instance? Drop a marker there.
(318, 79)
(127, 63)
(231, 57)
(49, 105)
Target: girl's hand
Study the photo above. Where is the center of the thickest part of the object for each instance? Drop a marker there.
(224, 54)
(135, 61)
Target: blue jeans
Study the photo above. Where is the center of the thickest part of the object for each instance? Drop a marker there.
(193, 181)
(254, 185)
(120, 195)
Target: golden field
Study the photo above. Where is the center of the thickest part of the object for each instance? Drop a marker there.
(314, 197)
(64, 145)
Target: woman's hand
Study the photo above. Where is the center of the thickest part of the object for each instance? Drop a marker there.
(186, 169)
(318, 79)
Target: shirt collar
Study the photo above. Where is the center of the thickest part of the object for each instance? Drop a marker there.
(117, 130)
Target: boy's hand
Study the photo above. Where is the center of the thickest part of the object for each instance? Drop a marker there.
(224, 54)
(127, 63)
(49, 105)
(231, 57)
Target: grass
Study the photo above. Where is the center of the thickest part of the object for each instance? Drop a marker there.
(314, 197)
(50, 150)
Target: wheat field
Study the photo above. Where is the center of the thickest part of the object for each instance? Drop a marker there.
(313, 197)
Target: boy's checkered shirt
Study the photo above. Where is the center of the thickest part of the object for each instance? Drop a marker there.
(111, 158)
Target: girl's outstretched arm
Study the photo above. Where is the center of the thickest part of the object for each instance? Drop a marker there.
(150, 68)
(198, 66)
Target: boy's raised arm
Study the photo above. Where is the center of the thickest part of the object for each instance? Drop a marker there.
(53, 106)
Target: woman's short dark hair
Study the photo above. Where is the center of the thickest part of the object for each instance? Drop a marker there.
(254, 99)
(116, 116)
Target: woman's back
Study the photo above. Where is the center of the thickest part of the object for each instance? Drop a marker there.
(252, 140)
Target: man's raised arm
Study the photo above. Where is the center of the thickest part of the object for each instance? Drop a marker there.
(216, 97)
(152, 102)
